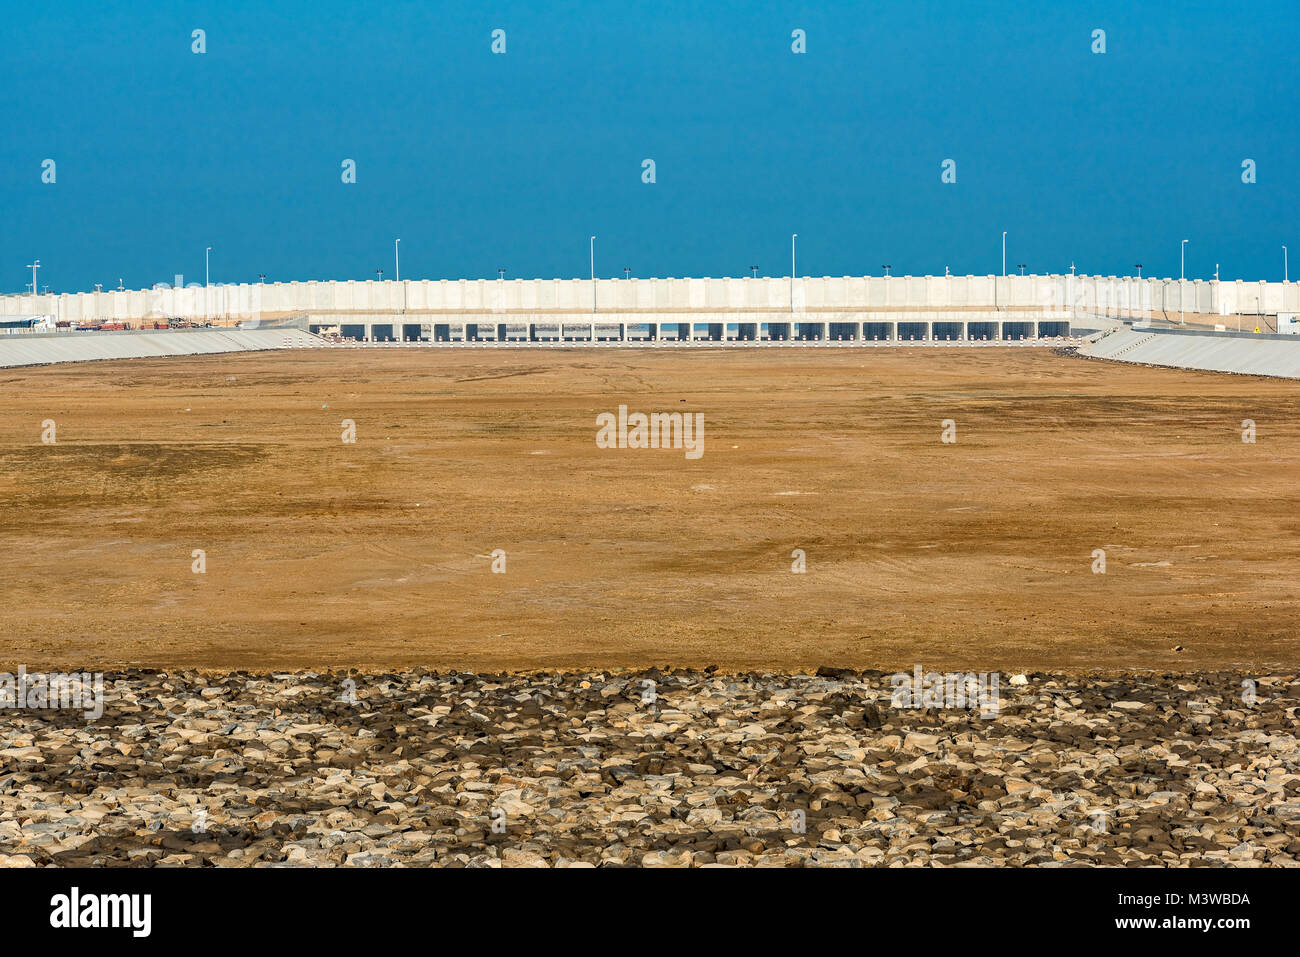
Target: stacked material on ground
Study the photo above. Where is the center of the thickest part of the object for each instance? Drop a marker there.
(29, 350)
(1243, 353)
(653, 768)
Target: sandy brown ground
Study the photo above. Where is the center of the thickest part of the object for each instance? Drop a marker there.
(322, 554)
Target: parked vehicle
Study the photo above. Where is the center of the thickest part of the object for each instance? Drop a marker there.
(33, 323)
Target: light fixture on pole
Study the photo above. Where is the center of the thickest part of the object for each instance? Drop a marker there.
(1004, 252)
(397, 261)
(206, 272)
(1021, 267)
(1216, 272)
(501, 273)
(627, 272)
(261, 277)
(886, 269)
(1286, 277)
(754, 270)
(380, 274)
(593, 275)
(1138, 267)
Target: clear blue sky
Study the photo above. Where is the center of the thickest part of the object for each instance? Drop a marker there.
(478, 160)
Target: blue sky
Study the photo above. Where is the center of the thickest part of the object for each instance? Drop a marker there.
(479, 161)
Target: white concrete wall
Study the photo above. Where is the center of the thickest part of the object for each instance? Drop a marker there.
(1107, 295)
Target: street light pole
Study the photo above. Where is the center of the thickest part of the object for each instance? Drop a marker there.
(1286, 277)
(793, 237)
(593, 275)
(207, 274)
(397, 261)
(1182, 275)
(1004, 252)
(34, 265)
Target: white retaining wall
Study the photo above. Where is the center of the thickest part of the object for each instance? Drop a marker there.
(1211, 351)
(1104, 295)
(31, 349)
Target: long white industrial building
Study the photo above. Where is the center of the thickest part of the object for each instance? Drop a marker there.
(732, 300)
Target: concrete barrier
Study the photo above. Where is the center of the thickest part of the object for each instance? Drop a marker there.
(1242, 353)
(32, 350)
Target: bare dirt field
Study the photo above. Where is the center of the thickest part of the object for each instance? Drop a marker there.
(375, 555)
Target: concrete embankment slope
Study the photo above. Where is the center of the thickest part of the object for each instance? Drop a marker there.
(1242, 353)
(30, 350)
